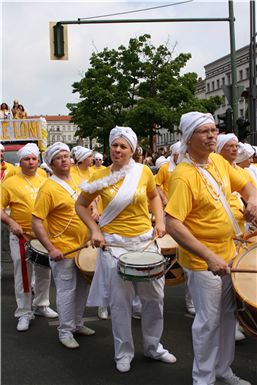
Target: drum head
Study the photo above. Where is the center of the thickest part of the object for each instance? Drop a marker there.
(36, 245)
(145, 258)
(86, 259)
(167, 245)
(245, 284)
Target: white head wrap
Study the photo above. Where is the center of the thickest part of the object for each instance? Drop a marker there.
(74, 149)
(126, 133)
(82, 153)
(245, 151)
(53, 150)
(189, 122)
(160, 161)
(175, 149)
(223, 139)
(28, 149)
(1, 147)
(98, 156)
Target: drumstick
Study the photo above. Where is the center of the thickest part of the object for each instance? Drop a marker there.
(73, 250)
(242, 240)
(243, 270)
(149, 243)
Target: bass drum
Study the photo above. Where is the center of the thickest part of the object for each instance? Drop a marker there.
(245, 287)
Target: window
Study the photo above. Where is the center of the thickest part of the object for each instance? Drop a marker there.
(241, 75)
(212, 86)
(241, 112)
(69, 138)
(223, 80)
(208, 87)
(228, 77)
(247, 73)
(218, 83)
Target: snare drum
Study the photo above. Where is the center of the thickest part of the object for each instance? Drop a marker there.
(36, 253)
(245, 287)
(141, 266)
(85, 261)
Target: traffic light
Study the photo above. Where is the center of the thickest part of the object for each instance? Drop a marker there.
(243, 131)
(226, 124)
(58, 41)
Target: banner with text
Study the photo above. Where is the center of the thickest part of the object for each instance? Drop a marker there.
(25, 129)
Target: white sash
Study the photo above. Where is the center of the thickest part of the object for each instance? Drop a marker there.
(65, 185)
(124, 196)
(221, 196)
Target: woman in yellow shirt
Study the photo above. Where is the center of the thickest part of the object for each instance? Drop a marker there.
(125, 188)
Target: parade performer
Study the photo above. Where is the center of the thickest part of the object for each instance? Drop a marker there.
(6, 168)
(55, 204)
(199, 219)
(18, 194)
(126, 188)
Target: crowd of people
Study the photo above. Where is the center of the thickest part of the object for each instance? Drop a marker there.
(202, 192)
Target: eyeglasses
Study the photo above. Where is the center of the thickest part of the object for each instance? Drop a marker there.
(207, 131)
(98, 159)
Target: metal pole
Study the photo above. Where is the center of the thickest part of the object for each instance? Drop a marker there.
(252, 74)
(234, 102)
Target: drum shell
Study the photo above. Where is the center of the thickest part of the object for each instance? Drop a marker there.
(244, 285)
(85, 261)
(36, 256)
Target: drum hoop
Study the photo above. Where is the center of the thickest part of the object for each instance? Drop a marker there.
(36, 250)
(137, 265)
(233, 275)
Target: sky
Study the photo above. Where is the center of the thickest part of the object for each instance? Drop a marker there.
(44, 86)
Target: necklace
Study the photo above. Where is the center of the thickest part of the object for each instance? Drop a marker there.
(30, 184)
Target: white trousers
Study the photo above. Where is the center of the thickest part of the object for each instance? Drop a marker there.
(213, 329)
(42, 282)
(71, 296)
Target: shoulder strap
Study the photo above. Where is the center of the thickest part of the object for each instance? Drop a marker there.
(65, 185)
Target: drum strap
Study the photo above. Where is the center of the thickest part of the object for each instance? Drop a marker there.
(65, 185)
(24, 271)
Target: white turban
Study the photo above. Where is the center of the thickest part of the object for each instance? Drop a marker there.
(28, 149)
(98, 156)
(160, 161)
(223, 139)
(245, 151)
(175, 147)
(53, 150)
(1, 147)
(82, 153)
(73, 150)
(189, 122)
(126, 133)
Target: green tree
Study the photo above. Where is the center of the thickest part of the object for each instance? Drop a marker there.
(140, 86)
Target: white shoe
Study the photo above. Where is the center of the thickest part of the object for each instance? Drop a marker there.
(102, 312)
(85, 331)
(168, 358)
(45, 311)
(190, 307)
(23, 323)
(234, 380)
(136, 315)
(123, 366)
(239, 335)
(69, 342)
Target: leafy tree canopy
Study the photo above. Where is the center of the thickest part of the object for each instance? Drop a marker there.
(140, 86)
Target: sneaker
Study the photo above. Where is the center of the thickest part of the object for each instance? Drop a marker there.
(190, 307)
(85, 331)
(234, 380)
(102, 312)
(23, 323)
(168, 358)
(45, 311)
(123, 366)
(69, 342)
(239, 335)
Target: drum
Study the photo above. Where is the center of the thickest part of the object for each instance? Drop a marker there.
(245, 287)
(85, 261)
(174, 274)
(141, 266)
(36, 253)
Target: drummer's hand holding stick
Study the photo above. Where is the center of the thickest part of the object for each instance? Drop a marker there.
(13, 226)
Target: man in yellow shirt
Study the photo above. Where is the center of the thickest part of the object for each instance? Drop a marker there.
(198, 221)
(55, 204)
(18, 194)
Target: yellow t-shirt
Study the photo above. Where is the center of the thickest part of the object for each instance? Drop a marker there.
(134, 219)
(17, 170)
(54, 203)
(193, 202)
(162, 178)
(79, 173)
(19, 193)
(8, 169)
(94, 168)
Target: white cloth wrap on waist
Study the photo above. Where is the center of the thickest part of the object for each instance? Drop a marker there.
(124, 196)
(106, 264)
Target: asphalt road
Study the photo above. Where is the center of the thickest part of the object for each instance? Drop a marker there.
(36, 357)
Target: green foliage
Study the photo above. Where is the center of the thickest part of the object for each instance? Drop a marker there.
(139, 85)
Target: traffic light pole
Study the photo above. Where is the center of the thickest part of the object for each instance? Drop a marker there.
(234, 101)
(252, 74)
